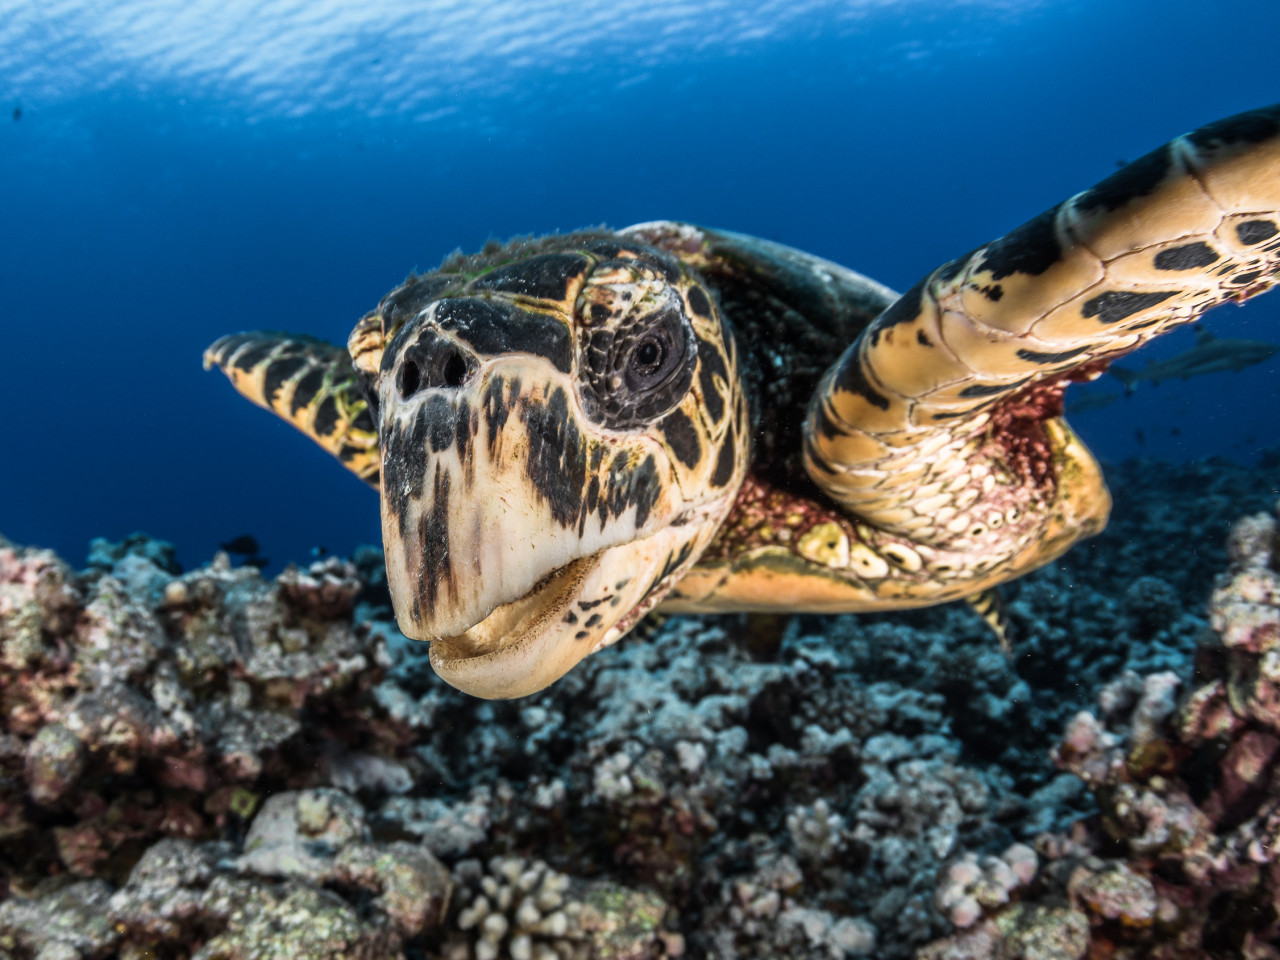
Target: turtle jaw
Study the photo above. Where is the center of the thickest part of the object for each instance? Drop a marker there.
(514, 651)
(528, 643)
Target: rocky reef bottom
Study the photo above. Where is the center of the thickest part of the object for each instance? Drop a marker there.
(214, 766)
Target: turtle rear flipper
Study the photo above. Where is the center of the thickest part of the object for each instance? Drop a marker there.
(940, 426)
(309, 383)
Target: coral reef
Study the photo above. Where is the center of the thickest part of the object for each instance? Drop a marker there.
(214, 765)
(1181, 861)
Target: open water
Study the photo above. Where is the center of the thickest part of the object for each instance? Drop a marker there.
(173, 171)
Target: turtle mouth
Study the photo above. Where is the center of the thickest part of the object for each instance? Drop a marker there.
(516, 621)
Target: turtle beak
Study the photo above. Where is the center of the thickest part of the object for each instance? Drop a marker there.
(516, 540)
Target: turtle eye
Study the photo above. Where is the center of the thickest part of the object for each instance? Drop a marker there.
(653, 356)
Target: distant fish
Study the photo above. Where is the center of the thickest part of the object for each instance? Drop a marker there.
(1094, 400)
(243, 545)
(17, 114)
(1140, 437)
(1209, 355)
(318, 551)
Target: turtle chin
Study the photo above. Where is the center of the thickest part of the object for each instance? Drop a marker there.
(515, 650)
(526, 644)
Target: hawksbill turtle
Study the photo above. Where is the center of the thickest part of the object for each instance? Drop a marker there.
(571, 430)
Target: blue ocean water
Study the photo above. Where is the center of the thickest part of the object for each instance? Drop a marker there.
(173, 171)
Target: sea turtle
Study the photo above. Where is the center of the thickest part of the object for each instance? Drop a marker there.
(571, 430)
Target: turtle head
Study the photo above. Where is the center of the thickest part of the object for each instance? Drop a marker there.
(562, 432)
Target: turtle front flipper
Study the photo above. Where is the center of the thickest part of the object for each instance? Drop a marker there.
(940, 427)
(309, 383)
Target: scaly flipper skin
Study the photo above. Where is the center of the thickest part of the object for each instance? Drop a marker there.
(573, 429)
(308, 383)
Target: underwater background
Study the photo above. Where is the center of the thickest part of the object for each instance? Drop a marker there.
(204, 761)
(171, 172)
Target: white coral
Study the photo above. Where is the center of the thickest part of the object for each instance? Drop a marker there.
(972, 884)
(817, 833)
(518, 909)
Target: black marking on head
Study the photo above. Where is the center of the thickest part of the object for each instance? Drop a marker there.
(438, 414)
(493, 328)
(851, 378)
(993, 292)
(1247, 277)
(557, 459)
(306, 390)
(644, 490)
(1034, 357)
(990, 390)
(326, 417)
(672, 564)
(1255, 231)
(922, 339)
(581, 635)
(347, 453)
(1031, 248)
(1189, 256)
(903, 310)
(1254, 126)
(681, 437)
(436, 570)
(626, 487)
(1135, 180)
(1114, 305)
(594, 619)
(496, 409)
(544, 277)
(599, 313)
(698, 302)
(725, 462)
(278, 372)
(711, 364)
(462, 428)
(406, 302)
(404, 464)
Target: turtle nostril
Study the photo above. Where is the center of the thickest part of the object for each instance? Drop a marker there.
(410, 379)
(453, 369)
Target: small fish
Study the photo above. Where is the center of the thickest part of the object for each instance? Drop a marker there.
(1093, 400)
(1209, 355)
(318, 551)
(243, 545)
(1140, 437)
(17, 114)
